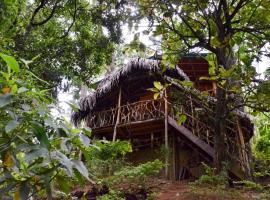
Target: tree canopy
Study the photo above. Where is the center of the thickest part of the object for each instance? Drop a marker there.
(66, 38)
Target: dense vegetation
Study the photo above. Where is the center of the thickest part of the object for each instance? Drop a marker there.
(49, 45)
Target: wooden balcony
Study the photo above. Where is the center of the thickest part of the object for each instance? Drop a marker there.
(148, 110)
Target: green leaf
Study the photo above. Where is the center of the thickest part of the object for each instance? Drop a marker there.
(41, 135)
(14, 89)
(87, 131)
(212, 78)
(158, 85)
(22, 89)
(182, 119)
(79, 177)
(11, 62)
(11, 125)
(156, 95)
(81, 168)
(186, 83)
(153, 89)
(5, 100)
(63, 184)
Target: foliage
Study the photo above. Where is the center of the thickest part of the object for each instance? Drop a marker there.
(211, 178)
(262, 138)
(136, 174)
(233, 34)
(112, 195)
(37, 151)
(66, 36)
(142, 170)
(251, 185)
(107, 157)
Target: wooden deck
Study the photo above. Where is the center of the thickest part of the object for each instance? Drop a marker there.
(144, 117)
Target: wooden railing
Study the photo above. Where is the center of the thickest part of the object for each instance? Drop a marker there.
(199, 120)
(134, 112)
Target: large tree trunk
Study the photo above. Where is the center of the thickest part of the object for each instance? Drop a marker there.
(225, 60)
(220, 129)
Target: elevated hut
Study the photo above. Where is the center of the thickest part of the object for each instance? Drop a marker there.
(181, 119)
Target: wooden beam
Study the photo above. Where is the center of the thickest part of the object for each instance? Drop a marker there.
(166, 136)
(188, 134)
(118, 114)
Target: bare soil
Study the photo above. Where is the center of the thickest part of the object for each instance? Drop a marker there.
(160, 189)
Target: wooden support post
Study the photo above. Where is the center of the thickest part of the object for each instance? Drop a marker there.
(174, 175)
(166, 136)
(152, 140)
(118, 114)
(243, 150)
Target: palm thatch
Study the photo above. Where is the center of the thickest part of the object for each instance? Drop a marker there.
(141, 65)
(138, 65)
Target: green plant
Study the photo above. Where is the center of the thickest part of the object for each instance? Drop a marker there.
(137, 174)
(37, 150)
(251, 185)
(211, 178)
(107, 156)
(112, 195)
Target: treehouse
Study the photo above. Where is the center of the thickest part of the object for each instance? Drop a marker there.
(180, 119)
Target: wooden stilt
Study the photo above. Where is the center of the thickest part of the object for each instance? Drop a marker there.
(118, 114)
(174, 157)
(243, 149)
(166, 137)
(152, 140)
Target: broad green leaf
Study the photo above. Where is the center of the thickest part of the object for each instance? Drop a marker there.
(22, 89)
(158, 85)
(85, 140)
(64, 160)
(87, 131)
(14, 89)
(79, 177)
(182, 119)
(35, 153)
(11, 125)
(41, 135)
(81, 168)
(11, 62)
(63, 184)
(5, 100)
(156, 95)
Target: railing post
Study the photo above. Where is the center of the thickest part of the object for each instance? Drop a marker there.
(118, 114)
(166, 136)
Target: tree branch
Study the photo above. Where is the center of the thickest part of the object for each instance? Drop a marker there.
(45, 20)
(73, 20)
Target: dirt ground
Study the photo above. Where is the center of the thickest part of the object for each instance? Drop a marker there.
(171, 190)
(183, 191)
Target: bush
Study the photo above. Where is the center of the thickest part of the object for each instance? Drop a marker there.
(107, 156)
(37, 150)
(210, 178)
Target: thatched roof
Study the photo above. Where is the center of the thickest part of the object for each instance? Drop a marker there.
(105, 86)
(133, 68)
